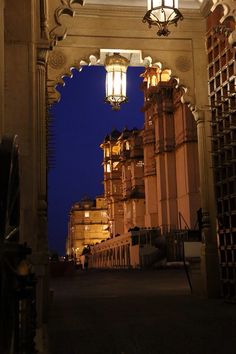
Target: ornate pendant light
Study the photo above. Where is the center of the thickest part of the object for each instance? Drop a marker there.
(162, 13)
(116, 67)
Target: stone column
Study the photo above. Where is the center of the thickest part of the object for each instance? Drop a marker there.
(151, 216)
(44, 19)
(209, 254)
(1, 67)
(42, 146)
(165, 156)
(40, 257)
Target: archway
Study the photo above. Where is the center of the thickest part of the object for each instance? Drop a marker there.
(80, 122)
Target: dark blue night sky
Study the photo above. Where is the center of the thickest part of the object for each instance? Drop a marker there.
(81, 121)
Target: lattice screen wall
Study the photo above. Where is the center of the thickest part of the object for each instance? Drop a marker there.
(222, 87)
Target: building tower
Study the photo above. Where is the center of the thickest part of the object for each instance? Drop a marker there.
(88, 224)
(112, 183)
(131, 164)
(172, 163)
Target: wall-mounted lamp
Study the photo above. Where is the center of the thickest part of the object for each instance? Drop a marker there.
(116, 67)
(162, 13)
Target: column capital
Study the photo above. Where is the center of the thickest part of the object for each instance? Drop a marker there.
(42, 56)
(197, 113)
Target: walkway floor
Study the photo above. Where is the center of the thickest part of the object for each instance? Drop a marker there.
(137, 312)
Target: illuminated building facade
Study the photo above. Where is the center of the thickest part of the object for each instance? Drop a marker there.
(112, 182)
(170, 157)
(131, 163)
(123, 180)
(151, 176)
(88, 224)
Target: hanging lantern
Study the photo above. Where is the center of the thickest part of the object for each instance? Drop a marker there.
(116, 67)
(162, 13)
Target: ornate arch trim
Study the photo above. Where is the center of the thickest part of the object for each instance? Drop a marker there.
(57, 61)
(229, 11)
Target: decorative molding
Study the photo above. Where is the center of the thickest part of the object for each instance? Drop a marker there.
(59, 32)
(183, 63)
(197, 113)
(57, 59)
(42, 56)
(44, 19)
(228, 6)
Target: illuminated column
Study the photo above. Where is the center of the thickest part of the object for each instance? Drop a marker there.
(209, 255)
(150, 184)
(165, 156)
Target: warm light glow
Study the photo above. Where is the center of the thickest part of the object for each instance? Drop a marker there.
(116, 67)
(163, 15)
(106, 152)
(108, 168)
(165, 75)
(164, 3)
(115, 149)
(153, 75)
(115, 165)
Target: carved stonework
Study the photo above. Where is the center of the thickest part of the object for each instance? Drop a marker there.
(42, 56)
(59, 32)
(229, 7)
(44, 19)
(57, 60)
(183, 63)
(197, 113)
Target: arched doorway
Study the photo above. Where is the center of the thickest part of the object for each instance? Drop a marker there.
(80, 122)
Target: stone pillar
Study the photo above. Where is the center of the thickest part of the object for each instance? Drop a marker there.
(150, 184)
(40, 256)
(44, 19)
(165, 156)
(209, 254)
(1, 67)
(170, 172)
(42, 147)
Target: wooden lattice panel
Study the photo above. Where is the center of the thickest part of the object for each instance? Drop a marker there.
(222, 84)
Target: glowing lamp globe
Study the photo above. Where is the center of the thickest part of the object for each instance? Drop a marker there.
(116, 67)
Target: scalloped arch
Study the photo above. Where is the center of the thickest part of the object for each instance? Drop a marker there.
(93, 60)
(229, 11)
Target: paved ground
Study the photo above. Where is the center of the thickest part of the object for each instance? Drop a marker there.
(137, 312)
